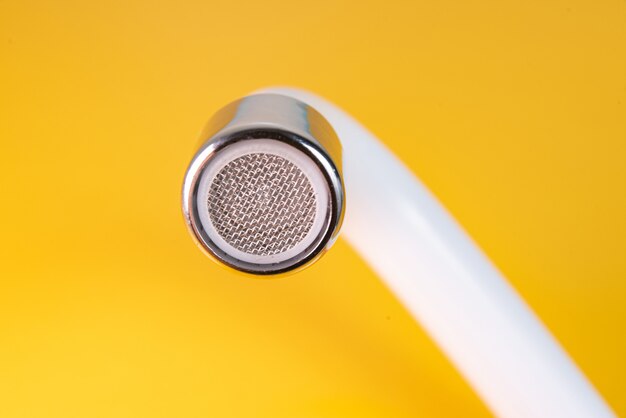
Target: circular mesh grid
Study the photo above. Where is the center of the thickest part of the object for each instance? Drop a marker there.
(261, 204)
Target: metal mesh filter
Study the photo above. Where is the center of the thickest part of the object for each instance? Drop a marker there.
(261, 204)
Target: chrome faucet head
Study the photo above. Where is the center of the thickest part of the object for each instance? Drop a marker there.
(264, 193)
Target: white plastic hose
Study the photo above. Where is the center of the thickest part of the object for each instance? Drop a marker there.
(449, 286)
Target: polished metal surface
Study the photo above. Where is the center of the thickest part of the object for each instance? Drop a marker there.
(260, 208)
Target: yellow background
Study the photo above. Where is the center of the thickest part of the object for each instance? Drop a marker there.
(513, 113)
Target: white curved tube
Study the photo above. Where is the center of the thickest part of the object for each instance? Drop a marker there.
(449, 286)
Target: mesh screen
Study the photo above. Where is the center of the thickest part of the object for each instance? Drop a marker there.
(261, 204)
